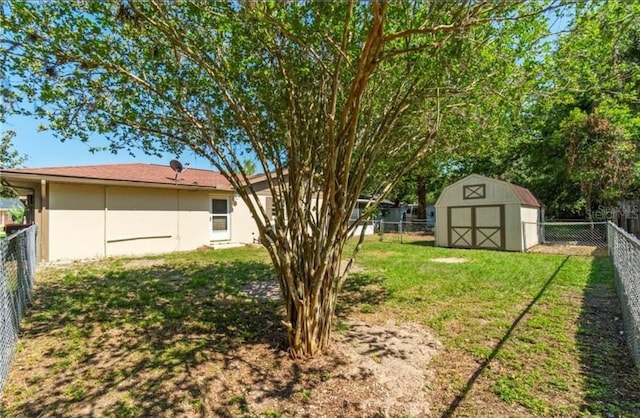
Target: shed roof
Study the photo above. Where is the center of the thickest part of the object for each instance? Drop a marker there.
(142, 174)
(525, 196)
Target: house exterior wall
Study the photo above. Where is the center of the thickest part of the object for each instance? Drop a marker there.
(146, 221)
(76, 221)
(243, 226)
(96, 220)
(193, 219)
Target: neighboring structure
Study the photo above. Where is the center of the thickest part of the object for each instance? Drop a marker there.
(412, 214)
(480, 212)
(8, 205)
(369, 224)
(131, 209)
(626, 216)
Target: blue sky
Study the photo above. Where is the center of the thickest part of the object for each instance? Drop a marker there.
(43, 150)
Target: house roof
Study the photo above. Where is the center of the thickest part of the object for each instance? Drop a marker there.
(137, 174)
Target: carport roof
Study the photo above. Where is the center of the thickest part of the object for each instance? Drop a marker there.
(131, 174)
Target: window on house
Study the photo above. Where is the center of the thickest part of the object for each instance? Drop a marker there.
(220, 215)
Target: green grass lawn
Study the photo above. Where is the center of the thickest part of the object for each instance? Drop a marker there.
(534, 330)
(521, 334)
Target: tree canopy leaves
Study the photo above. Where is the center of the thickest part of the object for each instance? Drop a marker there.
(332, 98)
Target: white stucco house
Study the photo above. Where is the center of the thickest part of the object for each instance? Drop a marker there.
(131, 209)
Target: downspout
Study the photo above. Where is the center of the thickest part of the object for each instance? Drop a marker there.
(44, 215)
(178, 234)
(104, 223)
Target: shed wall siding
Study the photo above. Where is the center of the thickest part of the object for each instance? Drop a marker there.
(441, 232)
(530, 218)
(495, 193)
(513, 227)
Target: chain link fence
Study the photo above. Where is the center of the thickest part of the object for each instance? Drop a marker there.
(587, 238)
(574, 233)
(17, 274)
(624, 250)
(401, 231)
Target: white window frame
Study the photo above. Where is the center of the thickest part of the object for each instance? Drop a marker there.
(221, 235)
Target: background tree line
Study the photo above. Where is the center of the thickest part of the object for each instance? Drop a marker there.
(571, 129)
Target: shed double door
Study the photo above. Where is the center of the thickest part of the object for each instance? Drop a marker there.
(476, 227)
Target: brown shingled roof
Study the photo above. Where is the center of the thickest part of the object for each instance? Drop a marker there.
(526, 197)
(136, 173)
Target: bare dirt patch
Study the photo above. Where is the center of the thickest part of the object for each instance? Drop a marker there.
(449, 260)
(586, 250)
(396, 357)
(265, 290)
(143, 263)
(371, 371)
(269, 289)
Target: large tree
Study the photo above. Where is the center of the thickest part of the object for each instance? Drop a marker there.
(9, 158)
(481, 129)
(321, 94)
(581, 150)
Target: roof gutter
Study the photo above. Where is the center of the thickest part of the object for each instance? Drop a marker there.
(84, 180)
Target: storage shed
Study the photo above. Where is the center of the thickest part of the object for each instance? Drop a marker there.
(481, 212)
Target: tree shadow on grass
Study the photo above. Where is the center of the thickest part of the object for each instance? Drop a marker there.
(361, 292)
(421, 243)
(611, 378)
(164, 340)
(455, 404)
